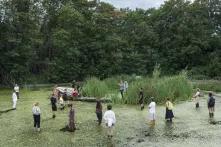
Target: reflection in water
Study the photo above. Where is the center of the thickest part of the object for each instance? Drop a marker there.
(110, 143)
(168, 129)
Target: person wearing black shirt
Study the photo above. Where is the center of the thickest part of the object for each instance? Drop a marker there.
(53, 105)
(211, 105)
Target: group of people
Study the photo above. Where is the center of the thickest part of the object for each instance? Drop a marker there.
(37, 114)
(210, 102)
(109, 115)
(169, 106)
(152, 111)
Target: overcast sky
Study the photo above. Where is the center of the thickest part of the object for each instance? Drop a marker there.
(145, 4)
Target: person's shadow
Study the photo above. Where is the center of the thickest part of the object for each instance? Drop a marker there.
(6, 111)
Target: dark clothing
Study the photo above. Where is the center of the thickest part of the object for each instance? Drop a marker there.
(99, 117)
(71, 124)
(65, 97)
(37, 120)
(141, 97)
(17, 93)
(54, 108)
(99, 112)
(211, 102)
(169, 114)
(53, 103)
(122, 93)
(197, 105)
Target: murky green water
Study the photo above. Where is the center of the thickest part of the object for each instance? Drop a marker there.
(191, 127)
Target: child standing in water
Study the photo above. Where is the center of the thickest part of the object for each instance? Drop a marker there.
(196, 97)
(53, 105)
(110, 120)
(99, 111)
(121, 88)
(37, 116)
(71, 121)
(141, 99)
(152, 112)
(211, 105)
(71, 124)
(169, 110)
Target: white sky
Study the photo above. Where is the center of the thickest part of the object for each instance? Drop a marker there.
(132, 4)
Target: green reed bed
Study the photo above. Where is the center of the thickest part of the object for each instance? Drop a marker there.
(207, 85)
(176, 87)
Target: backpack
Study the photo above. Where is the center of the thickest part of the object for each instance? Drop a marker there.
(211, 101)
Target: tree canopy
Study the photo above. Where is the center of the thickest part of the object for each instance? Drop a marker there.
(62, 40)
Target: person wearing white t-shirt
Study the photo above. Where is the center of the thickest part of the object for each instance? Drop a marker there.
(37, 116)
(152, 112)
(196, 97)
(16, 88)
(110, 120)
(14, 100)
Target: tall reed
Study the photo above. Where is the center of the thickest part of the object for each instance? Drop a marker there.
(94, 87)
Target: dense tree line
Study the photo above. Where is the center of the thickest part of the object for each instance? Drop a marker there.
(62, 40)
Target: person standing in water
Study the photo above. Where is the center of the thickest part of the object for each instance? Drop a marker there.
(110, 120)
(16, 89)
(141, 98)
(14, 100)
(169, 110)
(99, 111)
(125, 86)
(196, 97)
(71, 124)
(71, 127)
(152, 112)
(211, 105)
(53, 105)
(37, 116)
(121, 88)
